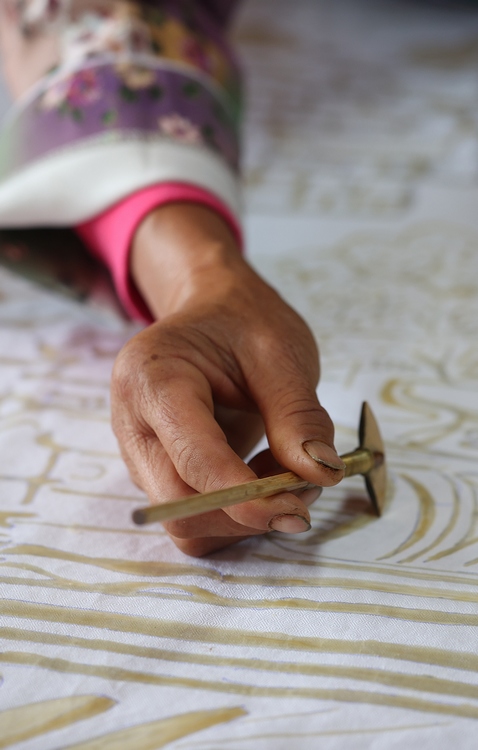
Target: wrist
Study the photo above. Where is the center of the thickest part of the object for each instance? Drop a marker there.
(180, 251)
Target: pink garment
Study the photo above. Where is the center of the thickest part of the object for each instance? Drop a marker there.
(110, 234)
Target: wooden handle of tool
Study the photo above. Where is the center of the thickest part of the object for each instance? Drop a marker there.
(359, 461)
(196, 504)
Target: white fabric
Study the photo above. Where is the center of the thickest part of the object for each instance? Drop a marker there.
(88, 178)
(361, 633)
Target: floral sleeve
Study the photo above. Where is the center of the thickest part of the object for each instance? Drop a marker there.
(115, 96)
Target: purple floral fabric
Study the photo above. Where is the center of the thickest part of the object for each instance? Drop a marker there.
(147, 69)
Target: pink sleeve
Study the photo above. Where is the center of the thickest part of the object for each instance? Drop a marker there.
(109, 235)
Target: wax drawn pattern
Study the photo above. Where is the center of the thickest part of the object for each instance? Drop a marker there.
(353, 105)
(361, 632)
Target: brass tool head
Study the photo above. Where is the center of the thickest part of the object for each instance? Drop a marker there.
(371, 439)
(369, 459)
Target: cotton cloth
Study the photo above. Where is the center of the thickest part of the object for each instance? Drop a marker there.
(361, 198)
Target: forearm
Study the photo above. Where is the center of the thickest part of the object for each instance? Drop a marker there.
(182, 251)
(129, 97)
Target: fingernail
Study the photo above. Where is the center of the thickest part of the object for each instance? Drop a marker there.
(323, 454)
(310, 495)
(289, 524)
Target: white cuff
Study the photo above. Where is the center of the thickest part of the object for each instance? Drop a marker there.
(72, 185)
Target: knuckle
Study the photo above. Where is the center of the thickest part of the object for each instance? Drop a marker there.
(129, 373)
(186, 460)
(191, 465)
(304, 415)
(147, 380)
(306, 406)
(293, 353)
(123, 377)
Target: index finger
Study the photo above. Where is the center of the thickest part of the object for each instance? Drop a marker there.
(181, 413)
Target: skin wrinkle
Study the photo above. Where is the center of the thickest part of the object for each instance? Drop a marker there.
(191, 470)
(289, 363)
(198, 359)
(297, 411)
(227, 375)
(306, 410)
(187, 265)
(224, 387)
(215, 342)
(187, 530)
(185, 470)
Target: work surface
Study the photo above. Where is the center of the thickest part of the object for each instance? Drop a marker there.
(362, 206)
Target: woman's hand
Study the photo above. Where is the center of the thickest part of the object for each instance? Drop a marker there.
(193, 392)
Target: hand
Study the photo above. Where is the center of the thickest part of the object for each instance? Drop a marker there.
(193, 392)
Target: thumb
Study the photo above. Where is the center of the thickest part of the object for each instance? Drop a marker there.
(299, 430)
